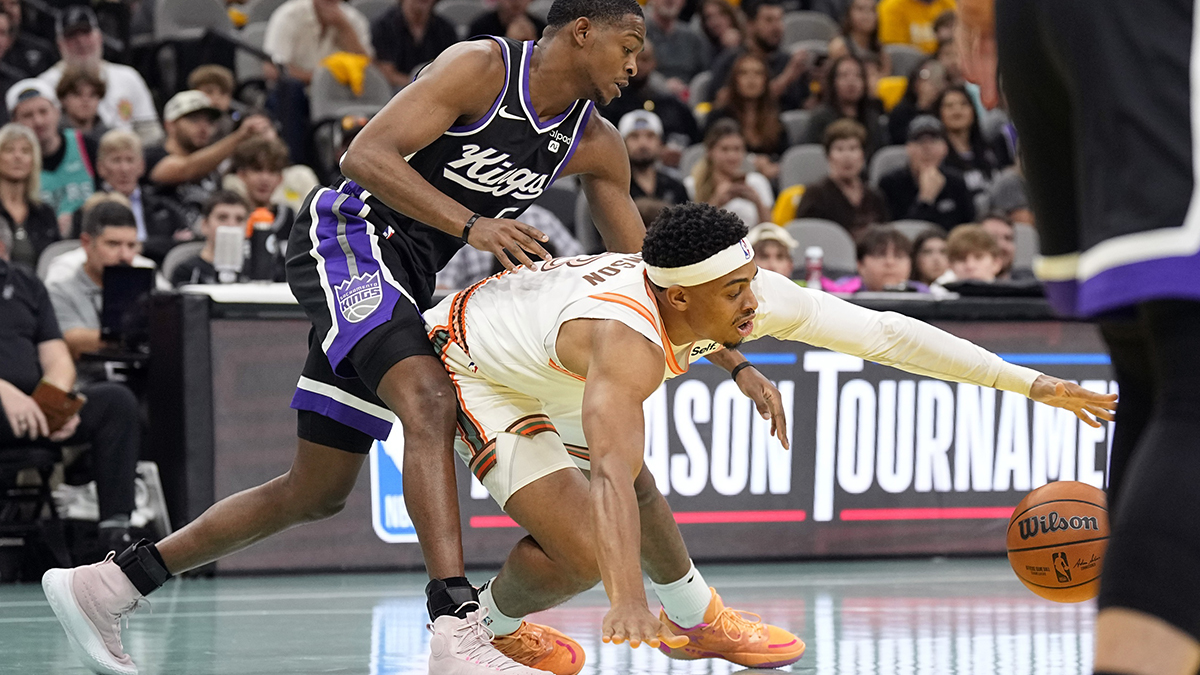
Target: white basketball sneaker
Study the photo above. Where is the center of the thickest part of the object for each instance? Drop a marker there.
(464, 647)
(90, 602)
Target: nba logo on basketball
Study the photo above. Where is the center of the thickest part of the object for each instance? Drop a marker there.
(358, 296)
(1062, 568)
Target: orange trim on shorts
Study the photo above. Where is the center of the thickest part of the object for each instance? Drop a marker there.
(564, 371)
(531, 425)
(469, 429)
(578, 451)
(653, 318)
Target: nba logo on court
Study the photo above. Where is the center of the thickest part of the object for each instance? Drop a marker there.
(389, 515)
(358, 296)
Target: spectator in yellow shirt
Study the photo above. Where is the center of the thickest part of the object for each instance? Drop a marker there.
(911, 22)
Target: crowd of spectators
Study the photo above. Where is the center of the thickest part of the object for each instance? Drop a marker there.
(727, 107)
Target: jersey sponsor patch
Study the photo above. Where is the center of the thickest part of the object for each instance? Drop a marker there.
(358, 297)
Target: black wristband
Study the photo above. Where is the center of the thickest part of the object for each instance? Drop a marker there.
(467, 228)
(739, 368)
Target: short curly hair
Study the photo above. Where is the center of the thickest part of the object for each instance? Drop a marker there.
(563, 12)
(688, 233)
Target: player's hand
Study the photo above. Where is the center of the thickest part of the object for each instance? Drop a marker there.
(1087, 405)
(976, 39)
(635, 624)
(25, 418)
(767, 399)
(500, 235)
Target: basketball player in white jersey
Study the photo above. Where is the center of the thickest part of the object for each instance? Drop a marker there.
(551, 365)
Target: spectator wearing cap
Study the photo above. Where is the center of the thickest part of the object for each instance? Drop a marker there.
(67, 177)
(646, 91)
(27, 55)
(121, 165)
(642, 131)
(773, 248)
(408, 35)
(217, 83)
(509, 16)
(80, 91)
(926, 190)
(33, 224)
(843, 196)
(301, 33)
(127, 103)
(185, 166)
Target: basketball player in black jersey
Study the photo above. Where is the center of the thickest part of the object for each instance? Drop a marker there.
(453, 159)
(1104, 97)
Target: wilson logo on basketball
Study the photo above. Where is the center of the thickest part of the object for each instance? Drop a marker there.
(488, 170)
(1033, 526)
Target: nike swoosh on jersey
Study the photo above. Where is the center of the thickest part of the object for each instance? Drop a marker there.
(503, 112)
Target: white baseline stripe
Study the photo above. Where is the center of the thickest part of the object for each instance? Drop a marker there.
(340, 396)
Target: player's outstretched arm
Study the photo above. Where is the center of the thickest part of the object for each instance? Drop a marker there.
(460, 85)
(624, 370)
(788, 312)
(603, 165)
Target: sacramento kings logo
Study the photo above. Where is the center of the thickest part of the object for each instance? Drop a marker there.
(359, 296)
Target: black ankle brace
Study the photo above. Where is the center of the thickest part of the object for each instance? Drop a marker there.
(144, 567)
(447, 597)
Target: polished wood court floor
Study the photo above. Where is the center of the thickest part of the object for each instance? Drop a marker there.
(907, 617)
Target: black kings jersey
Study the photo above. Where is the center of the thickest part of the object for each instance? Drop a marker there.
(495, 167)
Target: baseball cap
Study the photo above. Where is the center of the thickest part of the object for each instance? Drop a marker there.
(771, 232)
(187, 102)
(925, 125)
(639, 120)
(28, 89)
(76, 19)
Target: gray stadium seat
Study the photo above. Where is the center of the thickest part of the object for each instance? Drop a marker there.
(803, 165)
(904, 58)
(460, 13)
(372, 9)
(1025, 238)
(333, 100)
(540, 8)
(911, 228)
(175, 20)
(886, 160)
(833, 239)
(803, 25)
(691, 156)
(796, 123)
(53, 251)
(177, 255)
(261, 10)
(698, 88)
(247, 66)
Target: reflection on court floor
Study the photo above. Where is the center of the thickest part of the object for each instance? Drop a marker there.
(915, 617)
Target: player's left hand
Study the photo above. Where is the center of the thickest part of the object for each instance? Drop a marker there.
(767, 399)
(1087, 405)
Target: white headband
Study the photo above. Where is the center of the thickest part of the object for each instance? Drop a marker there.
(713, 267)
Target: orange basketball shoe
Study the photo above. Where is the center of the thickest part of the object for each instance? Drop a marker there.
(543, 648)
(740, 637)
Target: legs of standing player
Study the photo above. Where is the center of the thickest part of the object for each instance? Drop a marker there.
(1149, 619)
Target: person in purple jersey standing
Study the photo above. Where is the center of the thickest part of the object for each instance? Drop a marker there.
(1104, 97)
(453, 159)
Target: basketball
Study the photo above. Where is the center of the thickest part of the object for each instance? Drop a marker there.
(1056, 540)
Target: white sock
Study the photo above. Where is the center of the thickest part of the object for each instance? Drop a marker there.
(685, 600)
(500, 623)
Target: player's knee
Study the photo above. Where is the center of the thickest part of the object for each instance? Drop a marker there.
(314, 502)
(326, 505)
